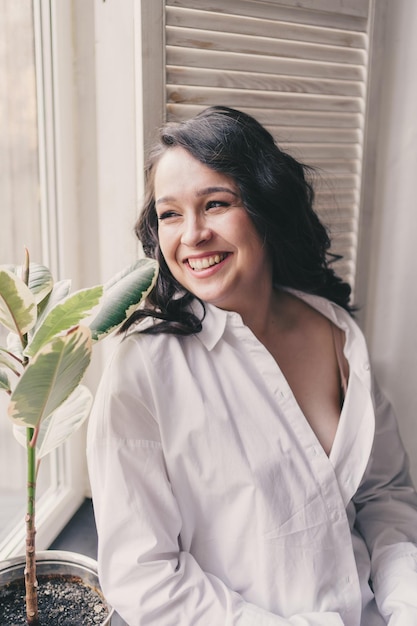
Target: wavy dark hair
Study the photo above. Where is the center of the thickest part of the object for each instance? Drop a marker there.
(276, 191)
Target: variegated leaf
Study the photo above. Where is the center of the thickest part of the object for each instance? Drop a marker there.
(4, 380)
(7, 360)
(61, 424)
(51, 377)
(122, 296)
(17, 303)
(59, 292)
(64, 316)
(40, 279)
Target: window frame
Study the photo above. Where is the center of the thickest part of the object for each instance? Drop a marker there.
(57, 183)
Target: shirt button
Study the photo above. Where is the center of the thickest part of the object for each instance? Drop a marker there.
(366, 366)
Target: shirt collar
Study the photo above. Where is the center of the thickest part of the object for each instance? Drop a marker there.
(213, 325)
(329, 309)
(215, 320)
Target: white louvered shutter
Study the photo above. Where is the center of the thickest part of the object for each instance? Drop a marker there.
(300, 68)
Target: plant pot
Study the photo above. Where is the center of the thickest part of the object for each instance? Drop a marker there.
(54, 564)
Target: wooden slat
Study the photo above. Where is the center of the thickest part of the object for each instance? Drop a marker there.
(336, 208)
(335, 218)
(310, 151)
(356, 8)
(245, 44)
(343, 205)
(335, 17)
(345, 266)
(272, 28)
(339, 227)
(335, 215)
(344, 166)
(247, 98)
(297, 134)
(345, 241)
(345, 198)
(345, 247)
(285, 117)
(270, 82)
(344, 182)
(262, 63)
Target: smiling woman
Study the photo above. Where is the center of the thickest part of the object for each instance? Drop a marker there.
(207, 238)
(245, 467)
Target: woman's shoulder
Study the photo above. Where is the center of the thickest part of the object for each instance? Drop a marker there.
(139, 343)
(327, 308)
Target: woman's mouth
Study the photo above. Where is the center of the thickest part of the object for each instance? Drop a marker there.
(208, 261)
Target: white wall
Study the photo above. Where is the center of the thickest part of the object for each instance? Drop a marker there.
(391, 305)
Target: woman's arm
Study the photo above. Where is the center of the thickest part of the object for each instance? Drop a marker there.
(386, 505)
(143, 571)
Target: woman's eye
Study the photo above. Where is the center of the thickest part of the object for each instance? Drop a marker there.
(166, 215)
(213, 204)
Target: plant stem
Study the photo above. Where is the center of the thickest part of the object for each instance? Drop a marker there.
(31, 583)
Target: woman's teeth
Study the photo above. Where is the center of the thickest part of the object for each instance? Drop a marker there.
(208, 261)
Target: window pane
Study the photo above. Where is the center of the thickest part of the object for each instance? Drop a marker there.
(20, 216)
(13, 477)
(19, 171)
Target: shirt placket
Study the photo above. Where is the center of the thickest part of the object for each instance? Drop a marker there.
(346, 583)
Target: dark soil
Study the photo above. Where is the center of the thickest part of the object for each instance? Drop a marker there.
(62, 601)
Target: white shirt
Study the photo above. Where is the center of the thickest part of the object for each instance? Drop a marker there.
(216, 504)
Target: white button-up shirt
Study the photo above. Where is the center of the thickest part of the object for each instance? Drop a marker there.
(216, 504)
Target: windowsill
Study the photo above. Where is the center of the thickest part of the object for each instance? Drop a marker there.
(80, 534)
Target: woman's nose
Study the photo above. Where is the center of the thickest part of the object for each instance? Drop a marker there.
(196, 231)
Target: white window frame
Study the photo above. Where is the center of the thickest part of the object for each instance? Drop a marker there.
(57, 167)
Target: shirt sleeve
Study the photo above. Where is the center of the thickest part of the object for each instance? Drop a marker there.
(386, 505)
(144, 573)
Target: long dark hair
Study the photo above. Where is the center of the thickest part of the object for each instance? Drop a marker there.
(277, 194)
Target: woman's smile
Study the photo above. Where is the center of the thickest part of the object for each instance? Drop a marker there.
(199, 264)
(206, 236)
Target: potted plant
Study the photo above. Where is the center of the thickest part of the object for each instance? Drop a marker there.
(48, 349)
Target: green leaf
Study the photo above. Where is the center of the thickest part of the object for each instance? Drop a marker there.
(19, 433)
(60, 425)
(7, 360)
(51, 377)
(122, 296)
(17, 304)
(14, 346)
(40, 279)
(4, 380)
(64, 316)
(59, 292)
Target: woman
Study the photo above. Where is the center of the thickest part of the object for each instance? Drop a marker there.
(245, 469)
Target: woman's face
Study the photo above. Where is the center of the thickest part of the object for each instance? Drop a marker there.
(206, 236)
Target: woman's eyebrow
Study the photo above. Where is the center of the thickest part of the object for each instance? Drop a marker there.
(201, 192)
(209, 190)
(164, 199)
